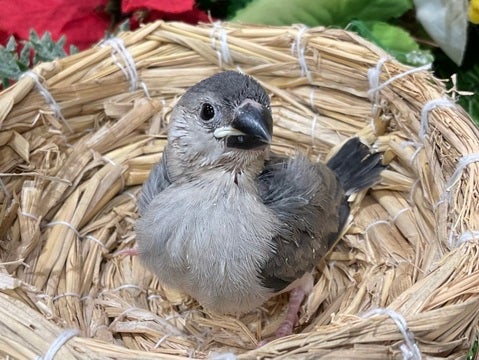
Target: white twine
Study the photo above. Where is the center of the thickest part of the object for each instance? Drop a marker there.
(95, 240)
(419, 147)
(129, 70)
(72, 294)
(409, 348)
(413, 188)
(223, 52)
(48, 97)
(126, 286)
(29, 215)
(378, 222)
(58, 343)
(87, 297)
(470, 235)
(311, 99)
(374, 78)
(374, 74)
(70, 226)
(399, 213)
(145, 90)
(111, 162)
(463, 162)
(108, 160)
(315, 117)
(222, 356)
(162, 339)
(427, 108)
(415, 144)
(154, 297)
(313, 130)
(298, 48)
(461, 165)
(132, 196)
(240, 70)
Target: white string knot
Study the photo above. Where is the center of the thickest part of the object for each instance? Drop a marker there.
(298, 48)
(374, 76)
(48, 97)
(409, 348)
(223, 52)
(129, 69)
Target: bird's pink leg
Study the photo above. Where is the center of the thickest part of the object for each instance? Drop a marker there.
(128, 252)
(296, 297)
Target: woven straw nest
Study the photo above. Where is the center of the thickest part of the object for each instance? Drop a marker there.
(78, 139)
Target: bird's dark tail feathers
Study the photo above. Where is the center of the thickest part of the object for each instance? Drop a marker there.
(355, 166)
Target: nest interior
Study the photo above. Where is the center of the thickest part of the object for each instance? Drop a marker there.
(78, 137)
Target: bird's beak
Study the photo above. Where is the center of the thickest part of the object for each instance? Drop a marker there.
(252, 127)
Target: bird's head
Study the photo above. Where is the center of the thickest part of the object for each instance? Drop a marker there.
(223, 121)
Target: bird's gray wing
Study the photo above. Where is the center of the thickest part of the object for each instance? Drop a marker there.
(310, 203)
(157, 181)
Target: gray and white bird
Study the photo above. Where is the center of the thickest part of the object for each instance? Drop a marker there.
(228, 222)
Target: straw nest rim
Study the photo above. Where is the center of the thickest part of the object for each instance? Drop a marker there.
(79, 135)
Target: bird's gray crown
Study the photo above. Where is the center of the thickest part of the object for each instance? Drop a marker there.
(231, 86)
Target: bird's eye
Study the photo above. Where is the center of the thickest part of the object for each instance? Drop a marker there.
(207, 112)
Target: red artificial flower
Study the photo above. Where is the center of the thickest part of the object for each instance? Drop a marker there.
(82, 22)
(149, 10)
(85, 22)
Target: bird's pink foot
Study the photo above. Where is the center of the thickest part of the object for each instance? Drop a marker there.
(128, 252)
(296, 297)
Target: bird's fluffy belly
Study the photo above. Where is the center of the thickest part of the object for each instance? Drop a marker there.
(211, 242)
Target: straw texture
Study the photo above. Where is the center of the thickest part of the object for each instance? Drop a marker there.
(79, 136)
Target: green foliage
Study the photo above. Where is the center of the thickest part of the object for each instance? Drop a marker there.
(473, 352)
(13, 61)
(11, 66)
(394, 39)
(467, 79)
(322, 12)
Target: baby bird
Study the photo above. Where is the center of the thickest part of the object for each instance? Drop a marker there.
(230, 223)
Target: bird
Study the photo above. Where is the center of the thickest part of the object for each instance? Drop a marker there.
(229, 222)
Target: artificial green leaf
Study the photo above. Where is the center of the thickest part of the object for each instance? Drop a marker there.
(25, 54)
(395, 40)
(33, 36)
(73, 49)
(11, 44)
(389, 36)
(45, 48)
(9, 68)
(321, 12)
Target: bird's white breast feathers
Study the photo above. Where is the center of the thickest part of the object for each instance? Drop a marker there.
(209, 239)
